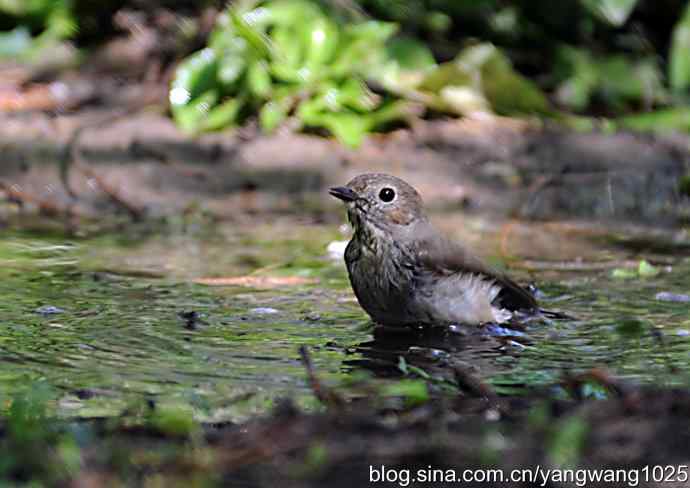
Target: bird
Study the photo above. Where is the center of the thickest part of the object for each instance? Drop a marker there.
(406, 273)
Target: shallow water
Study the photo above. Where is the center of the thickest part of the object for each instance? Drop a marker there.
(98, 318)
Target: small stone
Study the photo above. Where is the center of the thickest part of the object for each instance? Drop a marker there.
(683, 332)
(264, 310)
(48, 310)
(312, 317)
(666, 296)
(336, 250)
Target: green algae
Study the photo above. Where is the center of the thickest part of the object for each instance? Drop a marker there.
(97, 319)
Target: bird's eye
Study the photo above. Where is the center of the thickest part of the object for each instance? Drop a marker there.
(387, 195)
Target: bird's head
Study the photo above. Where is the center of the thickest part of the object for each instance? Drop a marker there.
(381, 201)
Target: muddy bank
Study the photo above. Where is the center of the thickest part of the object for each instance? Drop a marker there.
(470, 436)
(139, 163)
(435, 445)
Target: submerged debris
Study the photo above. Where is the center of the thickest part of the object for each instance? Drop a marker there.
(192, 319)
(256, 281)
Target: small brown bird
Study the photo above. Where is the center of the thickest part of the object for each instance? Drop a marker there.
(404, 272)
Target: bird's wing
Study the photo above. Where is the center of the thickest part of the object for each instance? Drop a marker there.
(442, 256)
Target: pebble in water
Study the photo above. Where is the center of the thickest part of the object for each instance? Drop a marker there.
(264, 310)
(666, 296)
(48, 310)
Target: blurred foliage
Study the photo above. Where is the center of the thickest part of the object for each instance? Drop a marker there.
(29, 28)
(54, 20)
(533, 34)
(679, 57)
(325, 65)
(286, 59)
(28, 431)
(290, 60)
(350, 67)
(627, 60)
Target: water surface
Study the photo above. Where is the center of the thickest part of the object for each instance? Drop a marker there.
(98, 318)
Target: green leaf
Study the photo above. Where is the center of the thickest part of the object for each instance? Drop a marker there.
(259, 80)
(362, 49)
(174, 420)
(647, 270)
(221, 116)
(190, 116)
(419, 372)
(679, 55)
(256, 40)
(666, 120)
(355, 94)
(479, 74)
(348, 128)
(285, 73)
(61, 22)
(309, 111)
(415, 392)
(321, 39)
(623, 273)
(614, 12)
(274, 112)
(392, 111)
(372, 31)
(408, 62)
(195, 75)
(291, 12)
(287, 51)
(231, 66)
(446, 74)
(507, 91)
(402, 365)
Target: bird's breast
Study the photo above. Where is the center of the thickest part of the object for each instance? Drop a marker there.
(382, 285)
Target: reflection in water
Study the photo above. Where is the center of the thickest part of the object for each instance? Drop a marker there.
(420, 348)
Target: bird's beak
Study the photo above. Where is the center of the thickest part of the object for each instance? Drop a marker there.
(343, 193)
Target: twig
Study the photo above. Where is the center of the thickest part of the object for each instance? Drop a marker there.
(135, 211)
(469, 383)
(324, 394)
(532, 265)
(71, 157)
